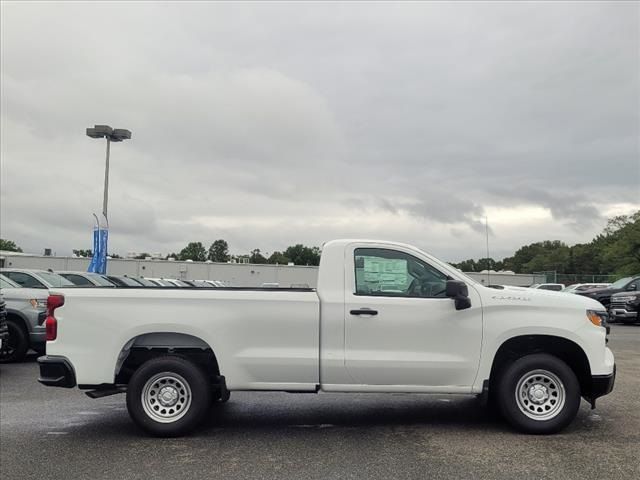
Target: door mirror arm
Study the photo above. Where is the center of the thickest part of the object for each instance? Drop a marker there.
(460, 293)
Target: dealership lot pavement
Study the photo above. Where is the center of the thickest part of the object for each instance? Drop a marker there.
(62, 434)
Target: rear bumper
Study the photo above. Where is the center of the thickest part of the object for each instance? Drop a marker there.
(56, 372)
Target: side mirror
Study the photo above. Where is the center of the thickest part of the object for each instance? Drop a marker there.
(459, 292)
(632, 287)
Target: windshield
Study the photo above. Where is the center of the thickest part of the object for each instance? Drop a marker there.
(129, 282)
(7, 283)
(145, 282)
(100, 280)
(621, 283)
(55, 280)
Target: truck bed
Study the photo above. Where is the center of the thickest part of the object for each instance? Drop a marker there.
(263, 338)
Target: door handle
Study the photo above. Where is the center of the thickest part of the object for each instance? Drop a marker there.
(364, 311)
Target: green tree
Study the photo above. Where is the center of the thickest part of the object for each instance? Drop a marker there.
(278, 258)
(83, 253)
(257, 257)
(9, 246)
(219, 251)
(194, 251)
(621, 250)
(301, 255)
(466, 265)
(488, 264)
(141, 256)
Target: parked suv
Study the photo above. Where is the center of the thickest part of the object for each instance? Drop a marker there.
(603, 295)
(87, 279)
(35, 278)
(4, 330)
(555, 287)
(26, 313)
(624, 307)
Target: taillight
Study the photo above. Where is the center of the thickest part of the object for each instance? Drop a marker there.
(51, 324)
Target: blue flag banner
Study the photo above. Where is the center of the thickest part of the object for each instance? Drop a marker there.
(99, 260)
(102, 259)
(93, 266)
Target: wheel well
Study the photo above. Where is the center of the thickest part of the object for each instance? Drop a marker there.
(145, 347)
(566, 350)
(19, 320)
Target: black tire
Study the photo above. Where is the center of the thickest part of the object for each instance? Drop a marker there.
(17, 343)
(540, 375)
(194, 406)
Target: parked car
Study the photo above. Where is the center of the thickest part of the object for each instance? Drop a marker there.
(161, 282)
(603, 295)
(556, 287)
(4, 329)
(624, 307)
(35, 278)
(87, 279)
(385, 317)
(124, 281)
(146, 282)
(581, 287)
(26, 312)
(197, 283)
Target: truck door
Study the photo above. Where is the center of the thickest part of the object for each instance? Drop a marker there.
(400, 328)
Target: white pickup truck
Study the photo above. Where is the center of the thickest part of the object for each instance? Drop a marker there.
(386, 317)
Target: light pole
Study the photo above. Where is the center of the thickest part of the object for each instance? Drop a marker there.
(112, 135)
(100, 236)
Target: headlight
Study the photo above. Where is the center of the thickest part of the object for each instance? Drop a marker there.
(597, 317)
(628, 299)
(39, 303)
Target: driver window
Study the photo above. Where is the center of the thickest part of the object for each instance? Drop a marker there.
(390, 273)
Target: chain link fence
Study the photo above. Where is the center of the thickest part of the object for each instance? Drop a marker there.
(571, 278)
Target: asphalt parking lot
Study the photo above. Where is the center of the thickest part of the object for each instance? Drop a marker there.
(50, 433)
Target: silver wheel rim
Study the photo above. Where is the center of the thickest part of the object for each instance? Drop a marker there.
(540, 395)
(166, 397)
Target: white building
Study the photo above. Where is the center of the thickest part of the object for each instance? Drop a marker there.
(235, 274)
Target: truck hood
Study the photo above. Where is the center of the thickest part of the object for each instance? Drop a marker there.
(537, 297)
(626, 294)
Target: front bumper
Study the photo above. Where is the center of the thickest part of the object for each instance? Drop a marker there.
(621, 312)
(601, 385)
(38, 335)
(56, 372)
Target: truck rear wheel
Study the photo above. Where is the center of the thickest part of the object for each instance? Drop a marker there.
(168, 396)
(539, 394)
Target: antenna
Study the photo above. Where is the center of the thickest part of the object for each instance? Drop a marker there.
(486, 225)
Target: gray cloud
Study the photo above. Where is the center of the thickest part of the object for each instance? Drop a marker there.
(279, 123)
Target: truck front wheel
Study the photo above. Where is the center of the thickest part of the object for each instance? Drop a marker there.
(168, 396)
(539, 394)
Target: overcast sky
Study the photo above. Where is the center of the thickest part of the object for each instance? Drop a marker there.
(269, 124)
